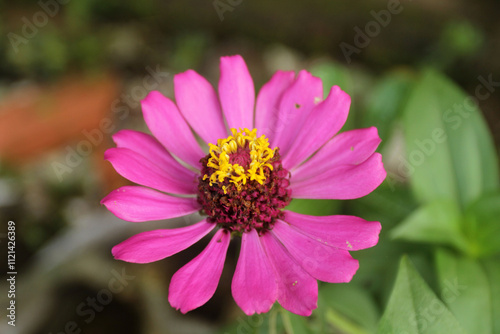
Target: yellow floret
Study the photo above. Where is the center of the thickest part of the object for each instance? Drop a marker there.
(260, 154)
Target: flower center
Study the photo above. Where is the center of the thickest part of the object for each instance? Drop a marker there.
(243, 184)
(240, 158)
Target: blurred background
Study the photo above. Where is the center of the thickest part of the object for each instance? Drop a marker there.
(72, 73)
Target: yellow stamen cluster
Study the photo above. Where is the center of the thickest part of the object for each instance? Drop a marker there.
(260, 154)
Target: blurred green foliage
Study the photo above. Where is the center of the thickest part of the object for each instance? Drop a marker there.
(442, 212)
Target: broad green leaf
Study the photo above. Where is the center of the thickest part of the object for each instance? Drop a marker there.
(482, 225)
(492, 269)
(436, 222)
(379, 264)
(450, 153)
(414, 309)
(465, 290)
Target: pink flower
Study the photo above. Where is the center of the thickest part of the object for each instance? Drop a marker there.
(244, 182)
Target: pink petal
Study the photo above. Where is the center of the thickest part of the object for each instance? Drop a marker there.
(347, 148)
(200, 105)
(342, 182)
(167, 124)
(147, 146)
(136, 168)
(195, 283)
(237, 93)
(138, 204)
(296, 104)
(254, 285)
(325, 120)
(345, 232)
(268, 100)
(297, 290)
(321, 261)
(155, 245)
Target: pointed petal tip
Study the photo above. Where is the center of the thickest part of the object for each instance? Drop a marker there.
(117, 254)
(109, 153)
(376, 234)
(185, 75)
(373, 130)
(306, 312)
(350, 275)
(382, 171)
(336, 89)
(114, 252)
(181, 309)
(257, 310)
(236, 57)
(116, 137)
(152, 95)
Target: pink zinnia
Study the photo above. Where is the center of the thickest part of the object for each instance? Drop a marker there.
(287, 148)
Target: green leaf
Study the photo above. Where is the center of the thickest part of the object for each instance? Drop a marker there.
(482, 225)
(385, 102)
(437, 222)
(379, 264)
(385, 203)
(414, 309)
(492, 269)
(465, 290)
(450, 152)
(349, 307)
